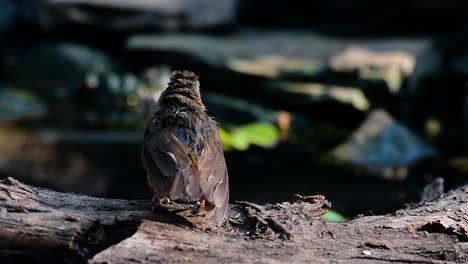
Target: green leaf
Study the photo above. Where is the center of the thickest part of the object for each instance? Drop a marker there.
(239, 141)
(225, 139)
(334, 217)
(261, 134)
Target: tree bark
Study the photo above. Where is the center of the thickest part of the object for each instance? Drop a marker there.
(44, 226)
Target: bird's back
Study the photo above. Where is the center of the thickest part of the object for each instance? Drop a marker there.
(182, 154)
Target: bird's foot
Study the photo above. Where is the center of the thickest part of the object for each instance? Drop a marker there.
(165, 200)
(201, 211)
(158, 202)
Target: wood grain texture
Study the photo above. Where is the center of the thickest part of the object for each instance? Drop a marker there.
(46, 226)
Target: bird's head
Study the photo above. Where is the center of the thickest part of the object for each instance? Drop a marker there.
(183, 87)
(186, 82)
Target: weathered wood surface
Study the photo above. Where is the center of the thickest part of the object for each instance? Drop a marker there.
(45, 226)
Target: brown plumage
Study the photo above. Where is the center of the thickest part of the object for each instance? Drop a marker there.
(182, 154)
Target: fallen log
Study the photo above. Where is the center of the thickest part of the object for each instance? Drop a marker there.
(43, 226)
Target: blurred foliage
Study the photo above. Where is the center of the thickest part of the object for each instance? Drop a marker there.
(334, 217)
(260, 134)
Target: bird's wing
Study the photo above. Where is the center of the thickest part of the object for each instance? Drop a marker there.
(156, 176)
(166, 157)
(213, 177)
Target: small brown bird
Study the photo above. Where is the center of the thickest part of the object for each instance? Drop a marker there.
(182, 154)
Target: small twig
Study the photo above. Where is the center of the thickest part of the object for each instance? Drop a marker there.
(279, 228)
(256, 207)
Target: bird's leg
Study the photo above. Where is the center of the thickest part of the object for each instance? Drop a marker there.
(155, 203)
(201, 208)
(160, 196)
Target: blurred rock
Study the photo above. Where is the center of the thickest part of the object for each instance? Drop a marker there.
(310, 93)
(427, 68)
(236, 111)
(57, 70)
(83, 87)
(460, 64)
(296, 55)
(73, 80)
(17, 104)
(382, 146)
(255, 53)
(8, 12)
(276, 66)
(392, 61)
(229, 110)
(392, 67)
(136, 15)
(354, 58)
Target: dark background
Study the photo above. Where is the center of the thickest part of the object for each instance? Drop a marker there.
(367, 99)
